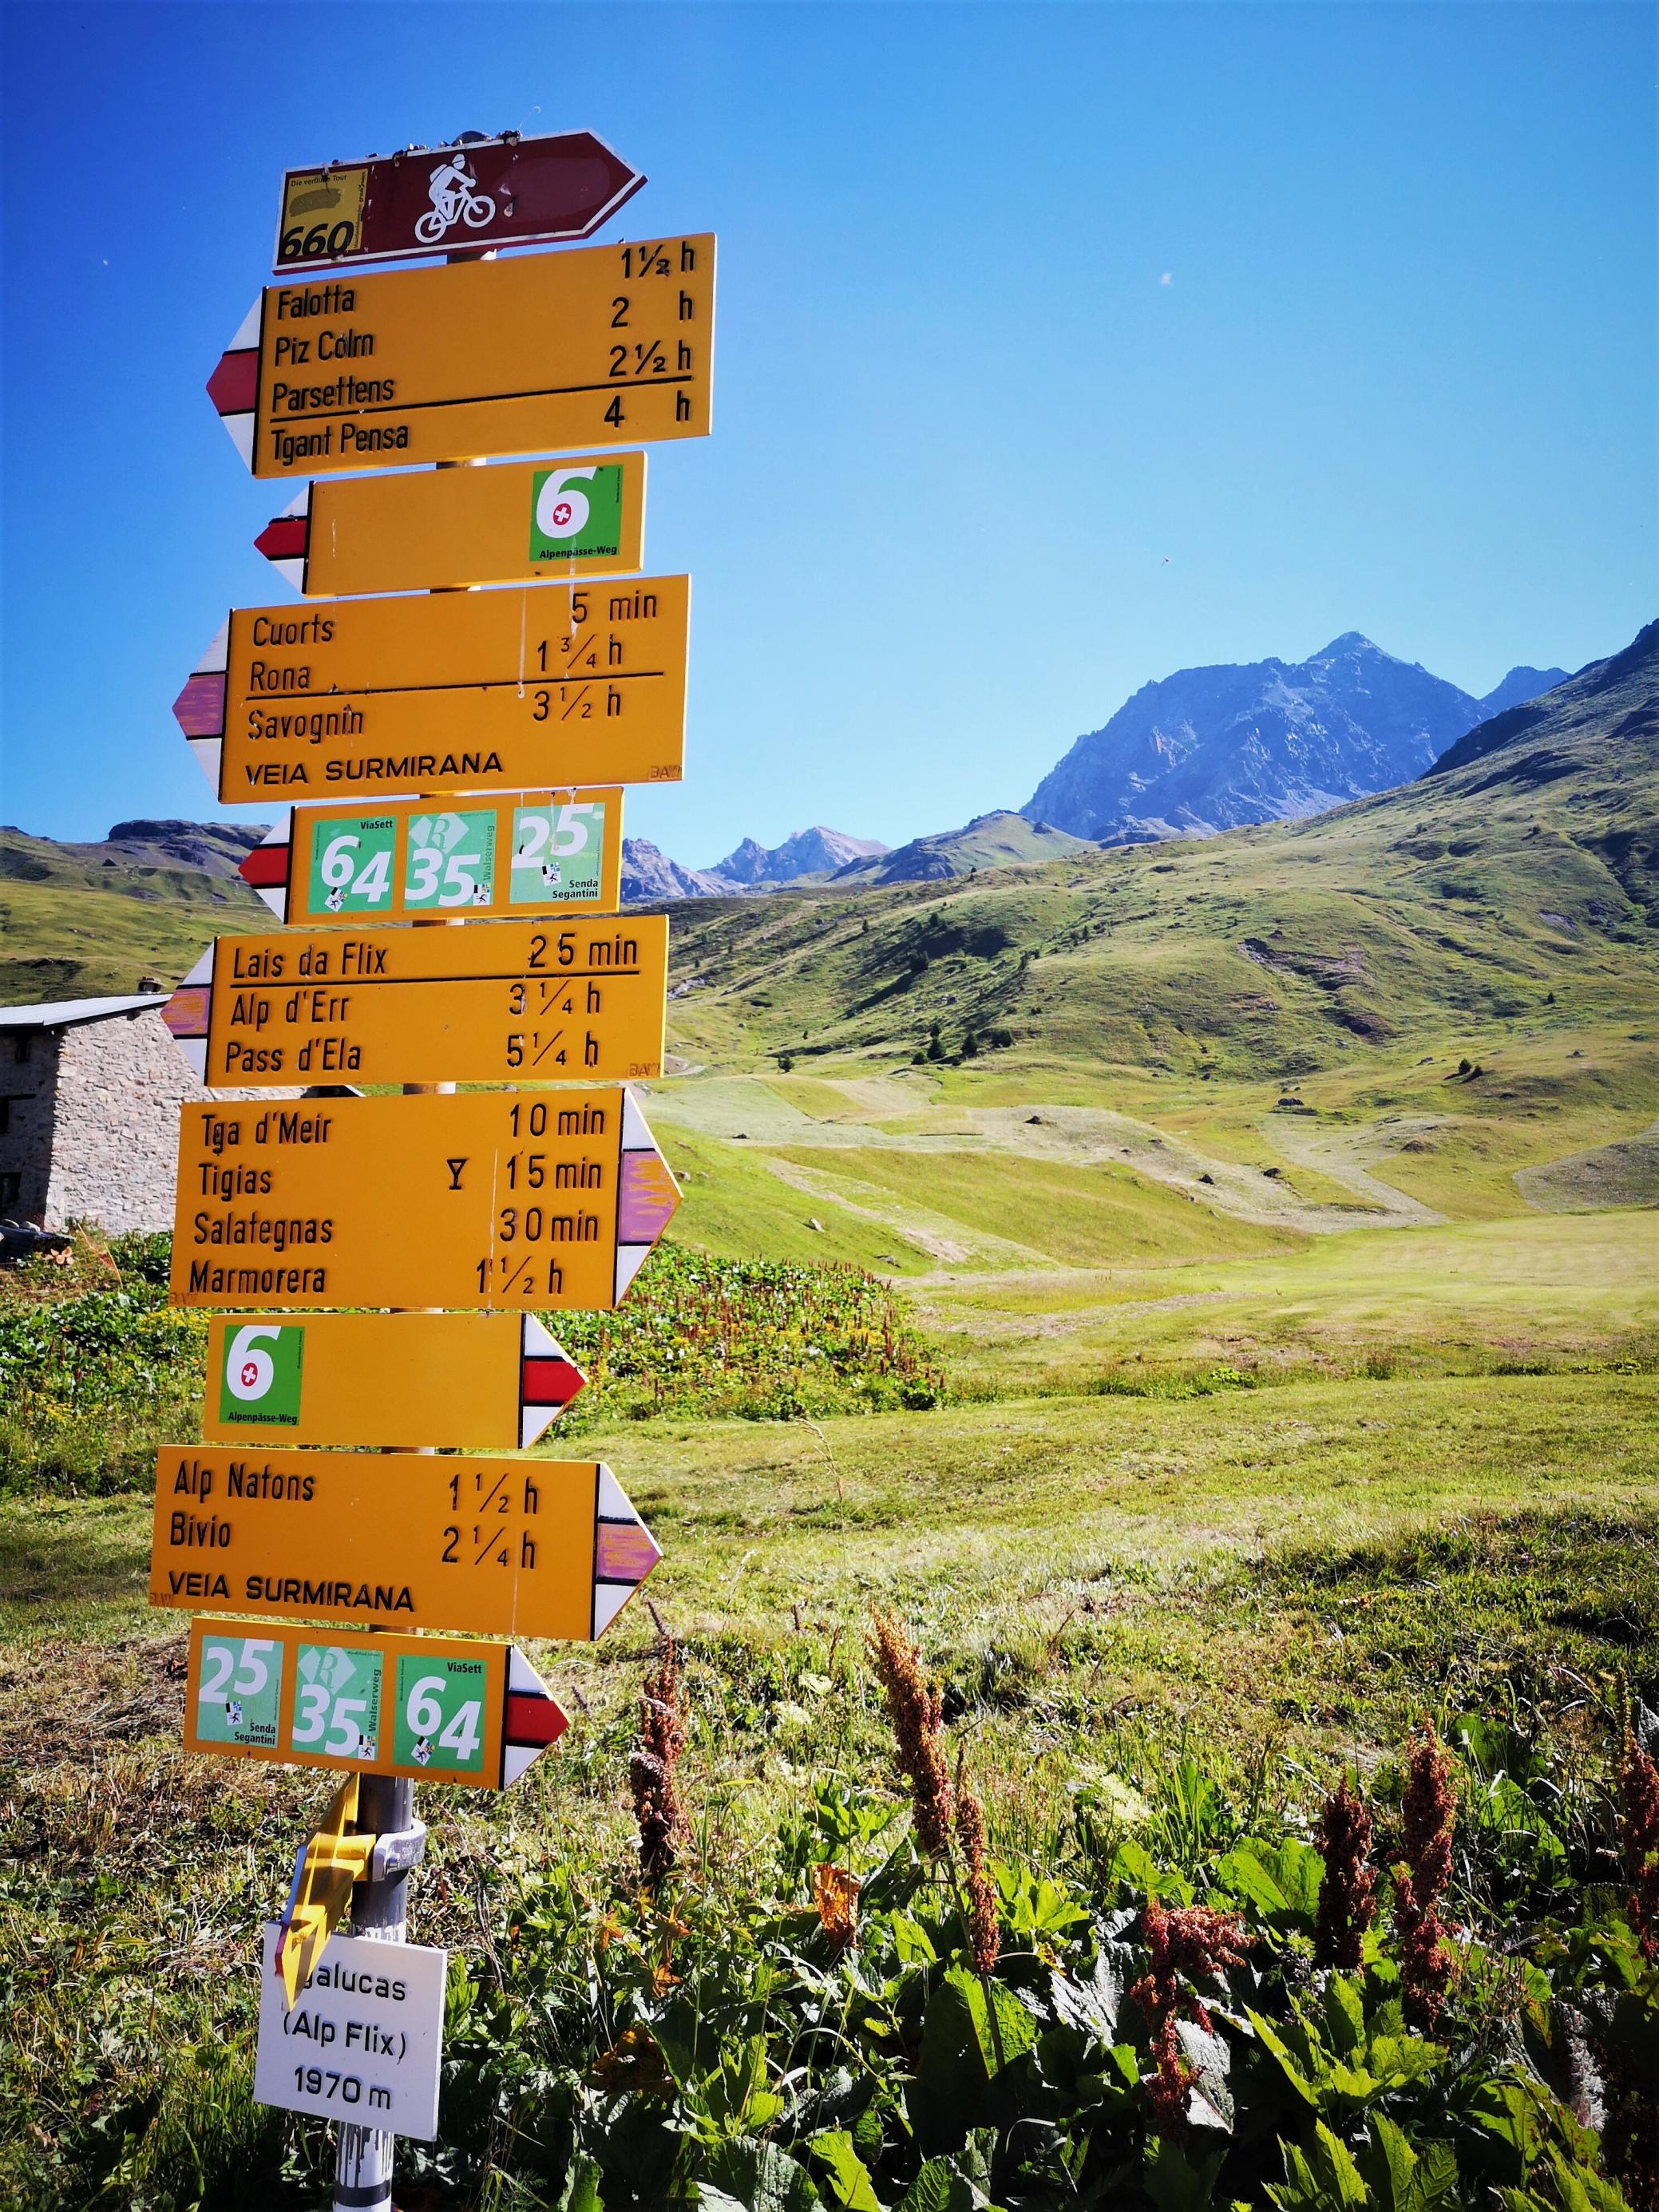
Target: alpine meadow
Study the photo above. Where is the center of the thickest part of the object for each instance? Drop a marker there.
(1148, 1409)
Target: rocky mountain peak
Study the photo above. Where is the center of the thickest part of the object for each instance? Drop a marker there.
(814, 852)
(1211, 749)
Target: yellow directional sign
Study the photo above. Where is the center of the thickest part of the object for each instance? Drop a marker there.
(522, 1199)
(534, 852)
(540, 1002)
(470, 691)
(485, 1546)
(483, 1382)
(540, 522)
(609, 346)
(359, 1700)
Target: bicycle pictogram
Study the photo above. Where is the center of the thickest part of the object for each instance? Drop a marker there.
(455, 198)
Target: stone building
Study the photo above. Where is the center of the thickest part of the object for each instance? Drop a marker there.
(90, 1090)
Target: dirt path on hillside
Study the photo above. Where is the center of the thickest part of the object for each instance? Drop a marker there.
(1092, 1136)
(951, 1243)
(1347, 1155)
(738, 1108)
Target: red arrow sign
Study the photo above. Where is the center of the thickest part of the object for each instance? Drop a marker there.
(436, 199)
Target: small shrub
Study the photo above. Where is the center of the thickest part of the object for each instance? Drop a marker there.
(764, 1340)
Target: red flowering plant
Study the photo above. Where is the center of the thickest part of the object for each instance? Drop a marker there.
(1347, 1903)
(1187, 1947)
(1428, 1814)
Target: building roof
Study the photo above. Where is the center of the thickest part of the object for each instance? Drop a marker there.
(65, 1013)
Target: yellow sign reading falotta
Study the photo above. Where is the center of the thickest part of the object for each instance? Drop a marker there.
(482, 1199)
(609, 346)
(543, 522)
(470, 691)
(481, 1546)
(543, 1002)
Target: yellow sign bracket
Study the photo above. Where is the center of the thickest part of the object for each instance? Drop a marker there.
(326, 1869)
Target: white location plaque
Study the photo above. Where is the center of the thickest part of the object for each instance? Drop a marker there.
(363, 2040)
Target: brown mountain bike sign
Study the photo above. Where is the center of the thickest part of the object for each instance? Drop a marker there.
(436, 199)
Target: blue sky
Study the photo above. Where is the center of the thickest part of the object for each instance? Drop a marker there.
(1059, 347)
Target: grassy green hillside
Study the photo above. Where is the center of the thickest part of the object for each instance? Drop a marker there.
(1520, 886)
(1288, 1244)
(1439, 1007)
(1076, 1092)
(74, 927)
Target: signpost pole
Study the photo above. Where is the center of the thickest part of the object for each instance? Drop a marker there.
(447, 1708)
(363, 2157)
(380, 1910)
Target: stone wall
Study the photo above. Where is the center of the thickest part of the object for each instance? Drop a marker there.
(89, 1121)
(28, 1079)
(115, 1135)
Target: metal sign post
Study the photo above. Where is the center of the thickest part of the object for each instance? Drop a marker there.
(363, 2156)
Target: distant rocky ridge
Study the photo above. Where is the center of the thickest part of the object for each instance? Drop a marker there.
(1521, 684)
(1001, 840)
(814, 855)
(649, 877)
(1202, 751)
(814, 852)
(217, 848)
(1616, 699)
(1211, 749)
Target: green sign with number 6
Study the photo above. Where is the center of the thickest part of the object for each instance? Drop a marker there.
(264, 1366)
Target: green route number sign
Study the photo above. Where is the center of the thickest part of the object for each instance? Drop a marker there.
(337, 1701)
(351, 867)
(240, 1690)
(425, 1707)
(451, 861)
(337, 1695)
(576, 512)
(440, 1714)
(265, 1365)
